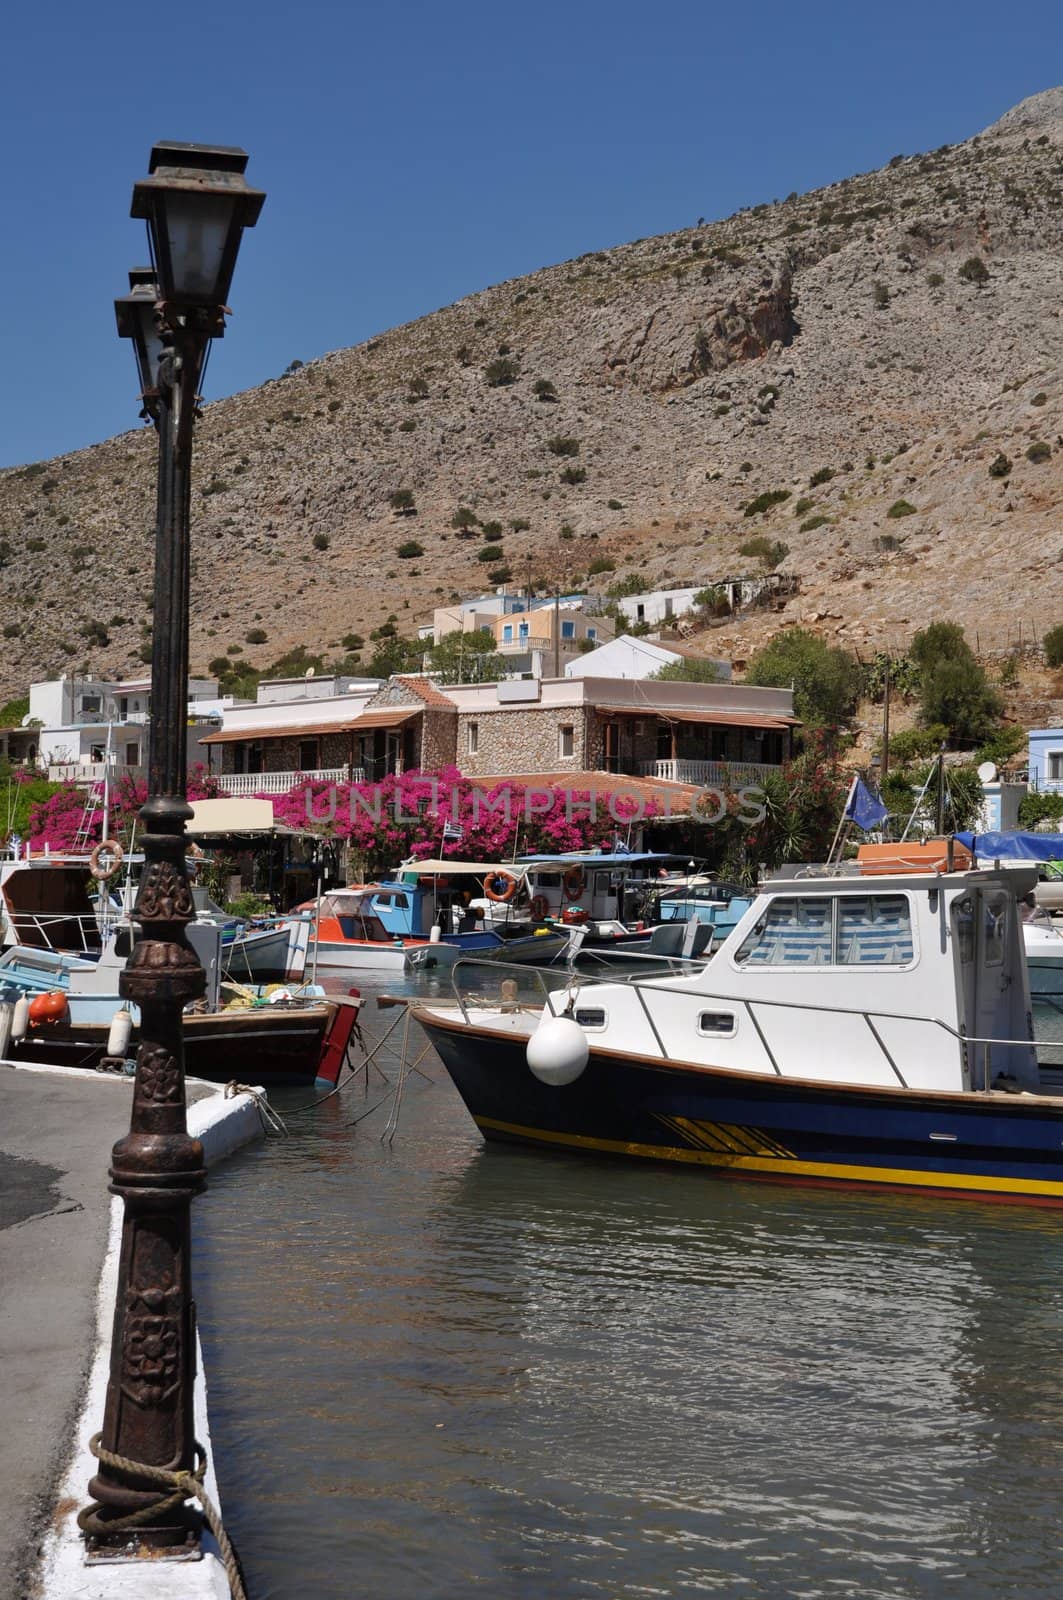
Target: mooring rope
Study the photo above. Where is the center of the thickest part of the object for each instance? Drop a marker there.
(272, 1120)
(185, 1486)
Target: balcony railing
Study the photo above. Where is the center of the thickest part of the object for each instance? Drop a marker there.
(236, 783)
(91, 771)
(723, 773)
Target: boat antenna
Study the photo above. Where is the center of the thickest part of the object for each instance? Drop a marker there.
(940, 818)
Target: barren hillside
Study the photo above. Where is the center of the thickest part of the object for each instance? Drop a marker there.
(869, 350)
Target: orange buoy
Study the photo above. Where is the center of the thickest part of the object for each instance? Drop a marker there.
(48, 1008)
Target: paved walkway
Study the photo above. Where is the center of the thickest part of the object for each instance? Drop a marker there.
(56, 1134)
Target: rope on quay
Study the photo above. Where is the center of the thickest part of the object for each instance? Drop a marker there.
(185, 1486)
(272, 1120)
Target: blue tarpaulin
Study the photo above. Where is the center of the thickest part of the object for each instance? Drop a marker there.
(1014, 846)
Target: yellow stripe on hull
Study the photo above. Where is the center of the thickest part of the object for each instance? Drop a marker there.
(788, 1166)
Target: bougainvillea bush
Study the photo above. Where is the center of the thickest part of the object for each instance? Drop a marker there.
(56, 821)
(442, 814)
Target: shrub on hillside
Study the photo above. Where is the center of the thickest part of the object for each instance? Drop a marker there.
(574, 475)
(822, 475)
(770, 551)
(974, 270)
(764, 502)
(1053, 643)
(1039, 451)
(544, 390)
(563, 445)
(901, 508)
(256, 636)
(401, 500)
(501, 371)
(409, 550)
(1000, 466)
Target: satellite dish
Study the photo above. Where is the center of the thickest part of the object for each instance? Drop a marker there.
(987, 772)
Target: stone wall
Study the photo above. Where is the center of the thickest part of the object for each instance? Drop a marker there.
(438, 739)
(522, 741)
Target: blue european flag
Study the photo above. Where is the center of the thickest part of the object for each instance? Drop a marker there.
(864, 808)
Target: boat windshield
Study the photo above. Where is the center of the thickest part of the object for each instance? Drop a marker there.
(831, 930)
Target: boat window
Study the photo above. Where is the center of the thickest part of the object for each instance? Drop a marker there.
(591, 1017)
(996, 912)
(717, 1024)
(839, 930)
(602, 883)
(874, 930)
(963, 929)
(547, 880)
(792, 932)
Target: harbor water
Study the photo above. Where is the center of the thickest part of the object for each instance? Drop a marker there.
(438, 1369)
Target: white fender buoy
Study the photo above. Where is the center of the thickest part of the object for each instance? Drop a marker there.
(118, 1037)
(20, 1021)
(435, 933)
(558, 1051)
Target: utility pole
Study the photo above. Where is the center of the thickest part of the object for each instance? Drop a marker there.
(557, 634)
(885, 764)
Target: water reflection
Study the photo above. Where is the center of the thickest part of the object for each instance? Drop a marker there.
(440, 1369)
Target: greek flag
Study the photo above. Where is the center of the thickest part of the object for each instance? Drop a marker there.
(864, 808)
(451, 831)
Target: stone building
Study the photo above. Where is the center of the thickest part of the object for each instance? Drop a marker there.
(687, 733)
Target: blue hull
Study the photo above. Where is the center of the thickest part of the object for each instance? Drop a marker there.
(998, 1146)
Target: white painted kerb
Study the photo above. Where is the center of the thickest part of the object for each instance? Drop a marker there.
(223, 1126)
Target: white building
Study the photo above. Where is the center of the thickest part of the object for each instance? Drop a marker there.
(77, 719)
(628, 657)
(659, 605)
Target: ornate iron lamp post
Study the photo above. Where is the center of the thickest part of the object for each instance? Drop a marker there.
(196, 204)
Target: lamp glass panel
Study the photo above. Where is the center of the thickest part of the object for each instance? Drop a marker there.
(152, 348)
(197, 228)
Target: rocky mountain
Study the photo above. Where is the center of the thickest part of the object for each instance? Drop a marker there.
(868, 375)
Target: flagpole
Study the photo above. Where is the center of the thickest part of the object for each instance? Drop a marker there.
(843, 819)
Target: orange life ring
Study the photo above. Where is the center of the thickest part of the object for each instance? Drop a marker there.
(540, 908)
(111, 848)
(48, 1008)
(508, 890)
(574, 882)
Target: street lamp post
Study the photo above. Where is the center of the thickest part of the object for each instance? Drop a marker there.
(196, 204)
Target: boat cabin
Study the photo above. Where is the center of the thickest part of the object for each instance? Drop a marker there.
(606, 888)
(915, 979)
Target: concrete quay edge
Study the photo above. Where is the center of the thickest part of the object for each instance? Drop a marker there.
(223, 1125)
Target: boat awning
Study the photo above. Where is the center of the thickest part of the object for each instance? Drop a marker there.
(241, 814)
(722, 719)
(1015, 846)
(455, 868)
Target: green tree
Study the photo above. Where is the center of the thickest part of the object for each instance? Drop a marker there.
(953, 687)
(1053, 643)
(393, 654)
(464, 519)
(688, 669)
(825, 678)
(466, 657)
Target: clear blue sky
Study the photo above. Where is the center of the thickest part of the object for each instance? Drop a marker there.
(414, 152)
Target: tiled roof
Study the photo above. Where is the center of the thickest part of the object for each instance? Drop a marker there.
(673, 798)
(425, 690)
